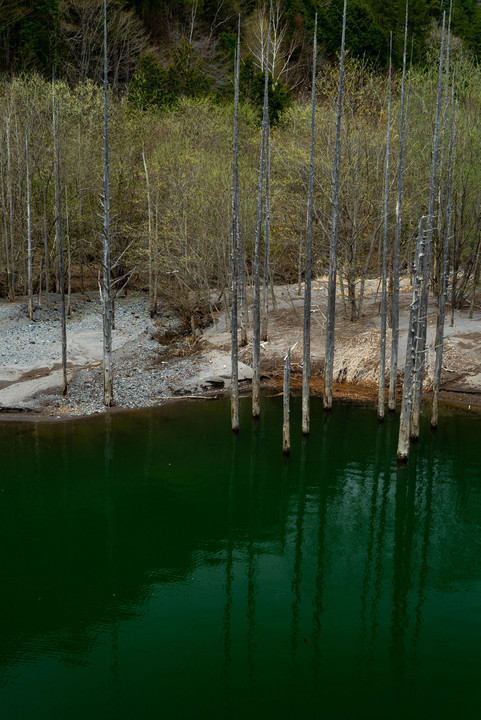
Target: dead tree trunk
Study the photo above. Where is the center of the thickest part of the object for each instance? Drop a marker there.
(256, 340)
(267, 227)
(5, 221)
(382, 353)
(331, 298)
(421, 334)
(306, 353)
(60, 256)
(406, 403)
(397, 235)
(10, 213)
(29, 234)
(286, 430)
(152, 294)
(106, 284)
(444, 272)
(235, 250)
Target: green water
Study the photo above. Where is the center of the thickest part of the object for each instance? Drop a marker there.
(153, 565)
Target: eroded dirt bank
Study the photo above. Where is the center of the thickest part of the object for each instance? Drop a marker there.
(148, 372)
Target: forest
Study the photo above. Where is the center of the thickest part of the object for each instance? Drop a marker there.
(171, 165)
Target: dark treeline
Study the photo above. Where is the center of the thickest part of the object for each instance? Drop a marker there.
(160, 49)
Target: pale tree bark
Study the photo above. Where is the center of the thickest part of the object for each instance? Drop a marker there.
(106, 284)
(397, 234)
(235, 250)
(454, 281)
(306, 352)
(256, 340)
(421, 334)
(267, 229)
(59, 234)
(444, 272)
(29, 234)
(406, 403)
(331, 297)
(382, 349)
(69, 256)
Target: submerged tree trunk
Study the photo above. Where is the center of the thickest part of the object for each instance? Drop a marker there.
(331, 297)
(382, 353)
(286, 430)
(256, 340)
(306, 353)
(397, 236)
(106, 284)
(406, 403)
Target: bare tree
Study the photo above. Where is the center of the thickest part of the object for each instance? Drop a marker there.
(306, 352)
(444, 272)
(421, 333)
(397, 232)
(382, 353)
(150, 249)
(267, 230)
(106, 283)
(256, 340)
(269, 28)
(81, 35)
(29, 233)
(60, 255)
(331, 292)
(235, 250)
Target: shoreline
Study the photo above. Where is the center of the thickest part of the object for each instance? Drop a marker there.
(156, 363)
(359, 394)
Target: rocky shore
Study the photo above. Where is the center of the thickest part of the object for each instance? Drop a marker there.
(155, 360)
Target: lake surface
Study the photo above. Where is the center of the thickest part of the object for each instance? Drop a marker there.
(154, 565)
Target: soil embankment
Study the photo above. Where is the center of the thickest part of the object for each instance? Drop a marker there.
(149, 371)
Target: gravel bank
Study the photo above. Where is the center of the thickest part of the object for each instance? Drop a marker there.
(143, 374)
